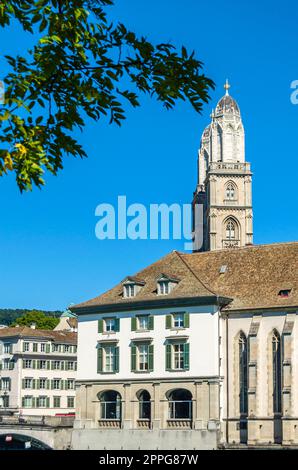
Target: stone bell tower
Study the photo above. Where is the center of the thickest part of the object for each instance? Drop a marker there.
(224, 188)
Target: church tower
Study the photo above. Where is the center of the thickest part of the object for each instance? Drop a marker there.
(224, 182)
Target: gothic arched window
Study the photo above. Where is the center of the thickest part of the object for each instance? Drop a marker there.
(231, 229)
(230, 191)
(243, 374)
(276, 369)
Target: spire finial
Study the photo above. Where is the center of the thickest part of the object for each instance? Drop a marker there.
(227, 86)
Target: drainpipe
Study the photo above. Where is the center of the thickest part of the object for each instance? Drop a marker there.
(227, 378)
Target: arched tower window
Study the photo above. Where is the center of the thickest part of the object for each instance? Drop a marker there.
(231, 229)
(276, 369)
(231, 192)
(243, 374)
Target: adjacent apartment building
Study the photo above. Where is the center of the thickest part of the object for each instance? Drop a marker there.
(37, 371)
(195, 351)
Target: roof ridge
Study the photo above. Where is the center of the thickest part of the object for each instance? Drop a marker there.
(248, 247)
(194, 274)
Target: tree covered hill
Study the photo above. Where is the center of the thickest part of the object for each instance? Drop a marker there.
(9, 315)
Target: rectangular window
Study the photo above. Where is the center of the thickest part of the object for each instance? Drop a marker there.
(67, 348)
(129, 290)
(35, 347)
(110, 324)
(6, 364)
(70, 365)
(163, 287)
(70, 384)
(26, 346)
(56, 365)
(109, 358)
(27, 402)
(42, 364)
(70, 402)
(42, 402)
(56, 402)
(42, 383)
(178, 320)
(178, 350)
(27, 364)
(143, 356)
(143, 322)
(56, 384)
(42, 347)
(28, 383)
(55, 347)
(7, 348)
(5, 383)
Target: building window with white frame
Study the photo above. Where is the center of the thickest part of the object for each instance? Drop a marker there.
(177, 356)
(178, 320)
(143, 357)
(56, 402)
(6, 383)
(27, 401)
(6, 364)
(109, 353)
(129, 290)
(163, 287)
(56, 384)
(42, 383)
(7, 348)
(26, 346)
(35, 347)
(42, 402)
(70, 384)
(27, 364)
(110, 324)
(70, 402)
(28, 383)
(231, 230)
(43, 347)
(56, 365)
(43, 364)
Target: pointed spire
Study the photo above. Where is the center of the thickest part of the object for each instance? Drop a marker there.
(212, 115)
(227, 86)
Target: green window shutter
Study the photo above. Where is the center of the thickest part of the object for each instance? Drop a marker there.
(33, 383)
(23, 383)
(133, 358)
(61, 384)
(117, 324)
(48, 402)
(100, 326)
(151, 357)
(99, 360)
(116, 359)
(62, 365)
(186, 356)
(38, 384)
(66, 365)
(10, 349)
(168, 321)
(65, 385)
(52, 384)
(52, 365)
(38, 364)
(133, 323)
(34, 364)
(23, 402)
(47, 384)
(151, 322)
(23, 363)
(48, 348)
(186, 320)
(23, 346)
(75, 365)
(168, 356)
(35, 402)
(48, 365)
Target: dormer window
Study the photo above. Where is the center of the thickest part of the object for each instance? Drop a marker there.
(165, 284)
(163, 287)
(131, 286)
(129, 290)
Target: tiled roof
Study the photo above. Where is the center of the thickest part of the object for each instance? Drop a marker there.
(50, 335)
(253, 278)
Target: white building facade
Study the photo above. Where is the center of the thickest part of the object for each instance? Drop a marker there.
(37, 371)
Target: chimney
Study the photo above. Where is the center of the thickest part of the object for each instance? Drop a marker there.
(33, 326)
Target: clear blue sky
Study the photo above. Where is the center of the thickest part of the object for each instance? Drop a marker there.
(50, 256)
